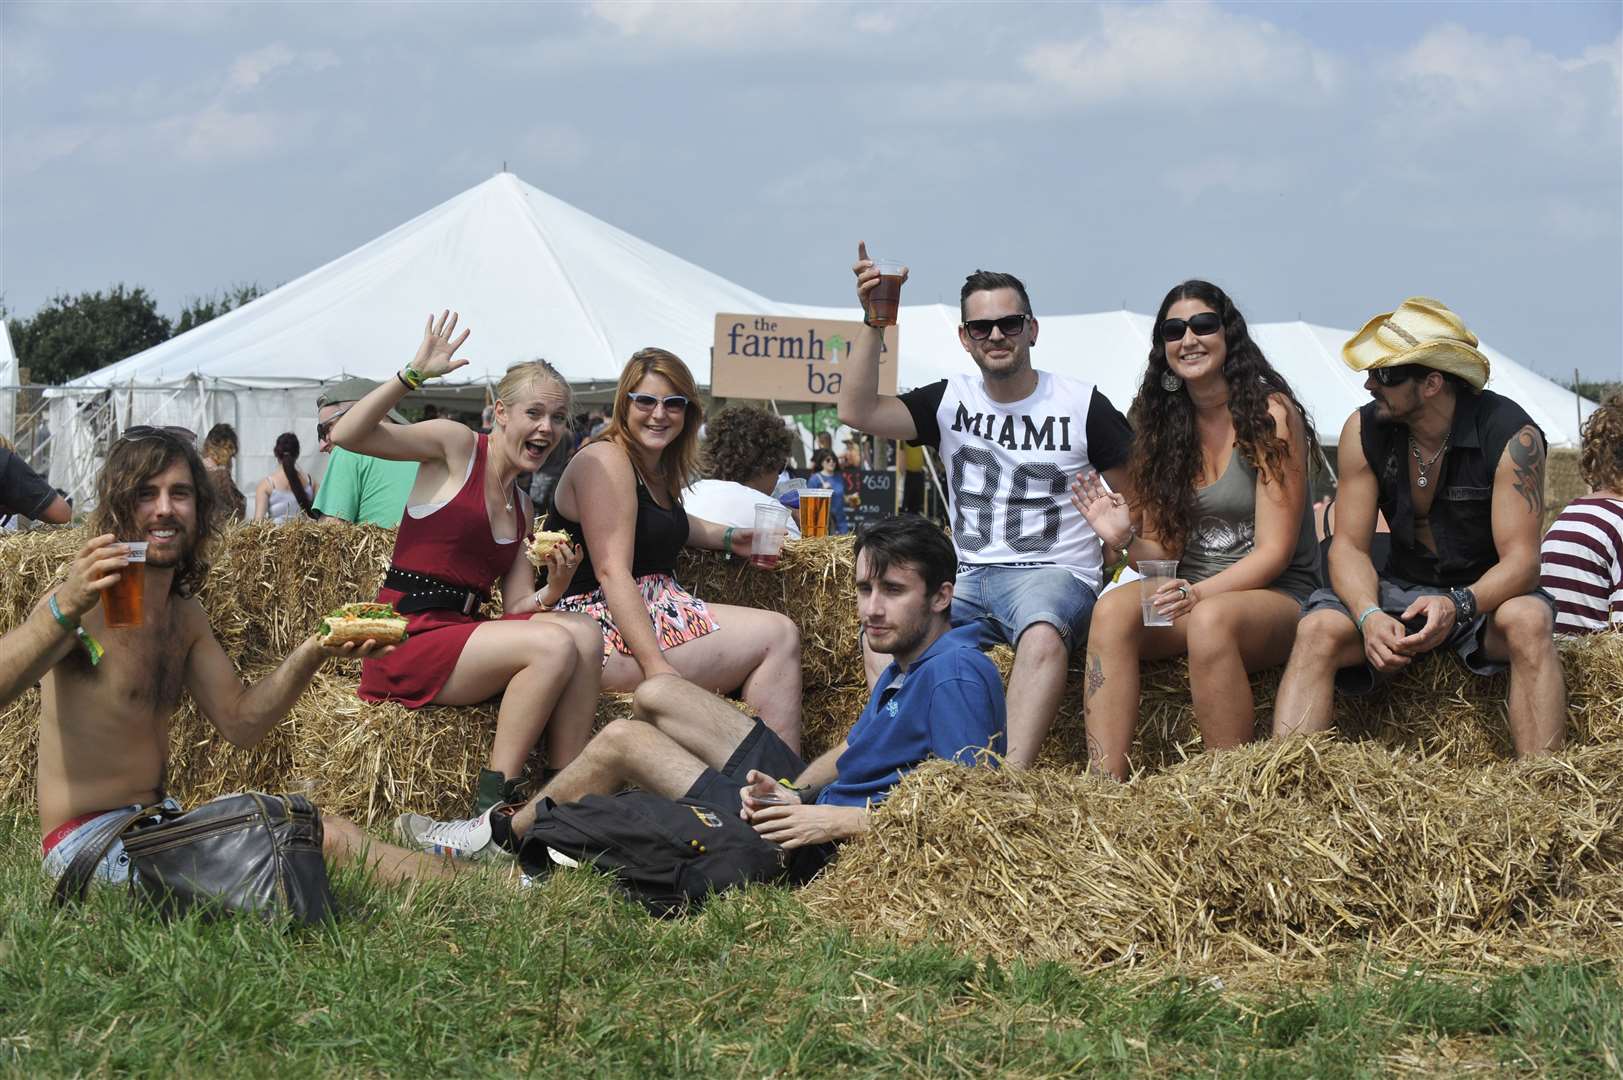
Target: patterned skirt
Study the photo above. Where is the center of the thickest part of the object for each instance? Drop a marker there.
(676, 614)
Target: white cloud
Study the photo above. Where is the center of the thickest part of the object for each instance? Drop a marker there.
(252, 68)
(737, 24)
(1173, 51)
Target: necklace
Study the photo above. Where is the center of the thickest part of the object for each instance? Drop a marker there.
(1414, 448)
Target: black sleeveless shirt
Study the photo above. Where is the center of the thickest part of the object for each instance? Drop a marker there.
(656, 545)
(1462, 510)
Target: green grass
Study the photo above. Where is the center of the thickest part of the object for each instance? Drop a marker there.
(471, 979)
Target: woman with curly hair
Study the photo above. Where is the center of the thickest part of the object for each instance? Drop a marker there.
(1218, 481)
(1581, 559)
(219, 451)
(745, 450)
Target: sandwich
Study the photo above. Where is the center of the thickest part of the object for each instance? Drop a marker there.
(363, 622)
(541, 546)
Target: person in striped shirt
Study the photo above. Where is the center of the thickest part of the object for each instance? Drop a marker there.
(1581, 560)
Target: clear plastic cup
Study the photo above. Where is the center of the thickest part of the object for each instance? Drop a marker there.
(771, 527)
(815, 506)
(121, 604)
(1157, 572)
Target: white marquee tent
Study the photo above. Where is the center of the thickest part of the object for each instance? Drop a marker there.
(8, 384)
(533, 276)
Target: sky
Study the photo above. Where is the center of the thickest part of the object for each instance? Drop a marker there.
(1320, 160)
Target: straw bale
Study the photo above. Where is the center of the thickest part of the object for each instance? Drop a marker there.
(1562, 482)
(1275, 853)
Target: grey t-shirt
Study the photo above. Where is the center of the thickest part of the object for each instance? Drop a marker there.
(1226, 531)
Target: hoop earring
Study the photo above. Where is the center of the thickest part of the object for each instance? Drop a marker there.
(1170, 382)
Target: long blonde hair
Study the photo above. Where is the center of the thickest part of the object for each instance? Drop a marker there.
(680, 459)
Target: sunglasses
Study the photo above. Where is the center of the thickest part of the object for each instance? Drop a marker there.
(1009, 326)
(1205, 324)
(147, 431)
(1402, 373)
(646, 402)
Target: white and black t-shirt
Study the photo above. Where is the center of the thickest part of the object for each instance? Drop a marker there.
(1010, 466)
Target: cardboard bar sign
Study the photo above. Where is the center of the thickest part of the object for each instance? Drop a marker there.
(788, 359)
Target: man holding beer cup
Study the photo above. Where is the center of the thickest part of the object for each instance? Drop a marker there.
(117, 642)
(1012, 438)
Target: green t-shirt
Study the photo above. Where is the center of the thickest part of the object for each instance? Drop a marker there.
(365, 489)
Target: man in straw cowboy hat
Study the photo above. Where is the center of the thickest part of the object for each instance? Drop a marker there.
(1458, 471)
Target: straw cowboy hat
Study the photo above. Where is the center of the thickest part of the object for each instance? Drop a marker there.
(1420, 331)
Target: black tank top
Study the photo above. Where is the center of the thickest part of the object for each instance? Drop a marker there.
(658, 542)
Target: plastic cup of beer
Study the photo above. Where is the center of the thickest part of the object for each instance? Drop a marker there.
(1157, 572)
(886, 296)
(771, 526)
(815, 504)
(121, 604)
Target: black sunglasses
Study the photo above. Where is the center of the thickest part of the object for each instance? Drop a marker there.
(1205, 324)
(646, 402)
(1401, 373)
(147, 431)
(1009, 326)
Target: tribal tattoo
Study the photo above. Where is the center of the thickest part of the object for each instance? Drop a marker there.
(1527, 462)
(1096, 678)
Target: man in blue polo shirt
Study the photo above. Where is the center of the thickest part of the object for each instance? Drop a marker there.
(940, 697)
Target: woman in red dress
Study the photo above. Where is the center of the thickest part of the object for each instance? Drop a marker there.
(464, 529)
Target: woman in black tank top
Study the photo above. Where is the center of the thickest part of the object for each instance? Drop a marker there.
(620, 498)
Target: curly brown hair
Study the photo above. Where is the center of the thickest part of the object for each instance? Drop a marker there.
(742, 441)
(1165, 462)
(131, 463)
(1600, 460)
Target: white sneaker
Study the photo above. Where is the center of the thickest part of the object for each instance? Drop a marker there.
(465, 839)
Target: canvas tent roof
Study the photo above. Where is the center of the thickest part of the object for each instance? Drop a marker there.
(8, 380)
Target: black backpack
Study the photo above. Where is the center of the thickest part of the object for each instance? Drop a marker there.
(669, 855)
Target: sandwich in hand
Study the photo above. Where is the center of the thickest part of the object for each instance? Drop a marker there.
(363, 622)
(541, 545)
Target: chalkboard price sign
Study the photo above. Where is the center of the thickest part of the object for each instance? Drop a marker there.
(877, 489)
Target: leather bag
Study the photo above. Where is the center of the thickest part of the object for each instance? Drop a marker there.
(250, 852)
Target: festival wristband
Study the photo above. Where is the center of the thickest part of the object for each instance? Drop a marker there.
(411, 377)
(1367, 612)
(727, 540)
(91, 646)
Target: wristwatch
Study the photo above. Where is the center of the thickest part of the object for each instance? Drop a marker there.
(1464, 605)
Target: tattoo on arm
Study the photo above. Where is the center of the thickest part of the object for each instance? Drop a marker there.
(1527, 462)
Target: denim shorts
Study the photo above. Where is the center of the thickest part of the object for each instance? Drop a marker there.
(1010, 599)
(1468, 641)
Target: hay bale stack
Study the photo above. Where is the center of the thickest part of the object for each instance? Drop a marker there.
(1562, 482)
(1276, 853)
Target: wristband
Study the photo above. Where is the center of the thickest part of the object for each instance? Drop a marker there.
(91, 646)
(1367, 612)
(411, 377)
(727, 540)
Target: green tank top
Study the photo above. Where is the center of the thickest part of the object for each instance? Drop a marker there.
(1225, 532)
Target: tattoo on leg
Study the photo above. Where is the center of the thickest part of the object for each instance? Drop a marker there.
(1527, 462)
(1096, 678)
(1096, 755)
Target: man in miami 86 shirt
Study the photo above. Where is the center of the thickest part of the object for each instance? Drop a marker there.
(1012, 439)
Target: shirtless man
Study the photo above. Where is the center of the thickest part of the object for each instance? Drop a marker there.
(104, 725)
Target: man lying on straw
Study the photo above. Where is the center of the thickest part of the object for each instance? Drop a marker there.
(940, 697)
(1458, 471)
(109, 692)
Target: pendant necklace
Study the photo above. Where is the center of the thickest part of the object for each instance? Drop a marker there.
(1414, 448)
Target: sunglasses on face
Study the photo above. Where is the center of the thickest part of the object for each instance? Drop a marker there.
(1402, 373)
(646, 402)
(1009, 326)
(1205, 324)
(147, 431)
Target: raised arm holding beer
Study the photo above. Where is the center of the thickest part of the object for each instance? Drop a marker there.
(1013, 438)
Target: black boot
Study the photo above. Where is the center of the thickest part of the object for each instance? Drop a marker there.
(494, 789)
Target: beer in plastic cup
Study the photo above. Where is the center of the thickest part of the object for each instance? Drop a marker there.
(886, 296)
(771, 526)
(1157, 572)
(122, 603)
(814, 511)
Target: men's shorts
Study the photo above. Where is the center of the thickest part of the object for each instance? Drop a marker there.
(1468, 641)
(65, 841)
(764, 752)
(1009, 600)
